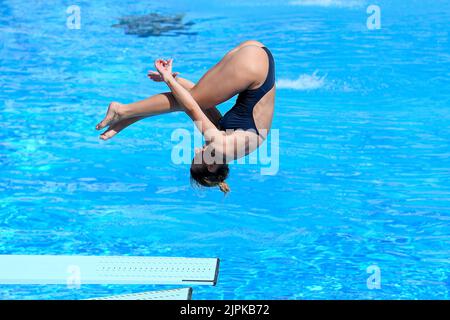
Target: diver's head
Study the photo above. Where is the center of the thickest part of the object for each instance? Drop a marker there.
(209, 175)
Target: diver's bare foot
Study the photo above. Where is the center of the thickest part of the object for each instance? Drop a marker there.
(117, 127)
(113, 115)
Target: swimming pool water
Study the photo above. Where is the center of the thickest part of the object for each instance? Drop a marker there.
(363, 117)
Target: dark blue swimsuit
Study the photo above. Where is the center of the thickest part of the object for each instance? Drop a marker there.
(241, 115)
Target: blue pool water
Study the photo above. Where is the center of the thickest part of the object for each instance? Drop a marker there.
(364, 124)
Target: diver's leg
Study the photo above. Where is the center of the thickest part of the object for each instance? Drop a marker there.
(212, 113)
(161, 103)
(157, 104)
(245, 69)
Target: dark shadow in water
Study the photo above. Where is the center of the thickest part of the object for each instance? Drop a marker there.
(5, 13)
(154, 24)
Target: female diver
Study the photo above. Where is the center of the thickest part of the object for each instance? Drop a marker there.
(247, 70)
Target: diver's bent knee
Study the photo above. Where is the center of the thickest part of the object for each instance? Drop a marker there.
(250, 43)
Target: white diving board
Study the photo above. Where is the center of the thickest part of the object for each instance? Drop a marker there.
(79, 270)
(173, 294)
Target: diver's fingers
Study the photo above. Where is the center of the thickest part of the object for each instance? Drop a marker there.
(155, 78)
(159, 63)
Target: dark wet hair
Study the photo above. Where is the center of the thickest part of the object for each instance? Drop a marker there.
(201, 176)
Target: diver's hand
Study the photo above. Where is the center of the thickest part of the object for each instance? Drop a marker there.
(155, 76)
(164, 68)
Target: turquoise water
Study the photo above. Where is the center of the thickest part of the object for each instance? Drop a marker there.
(363, 117)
